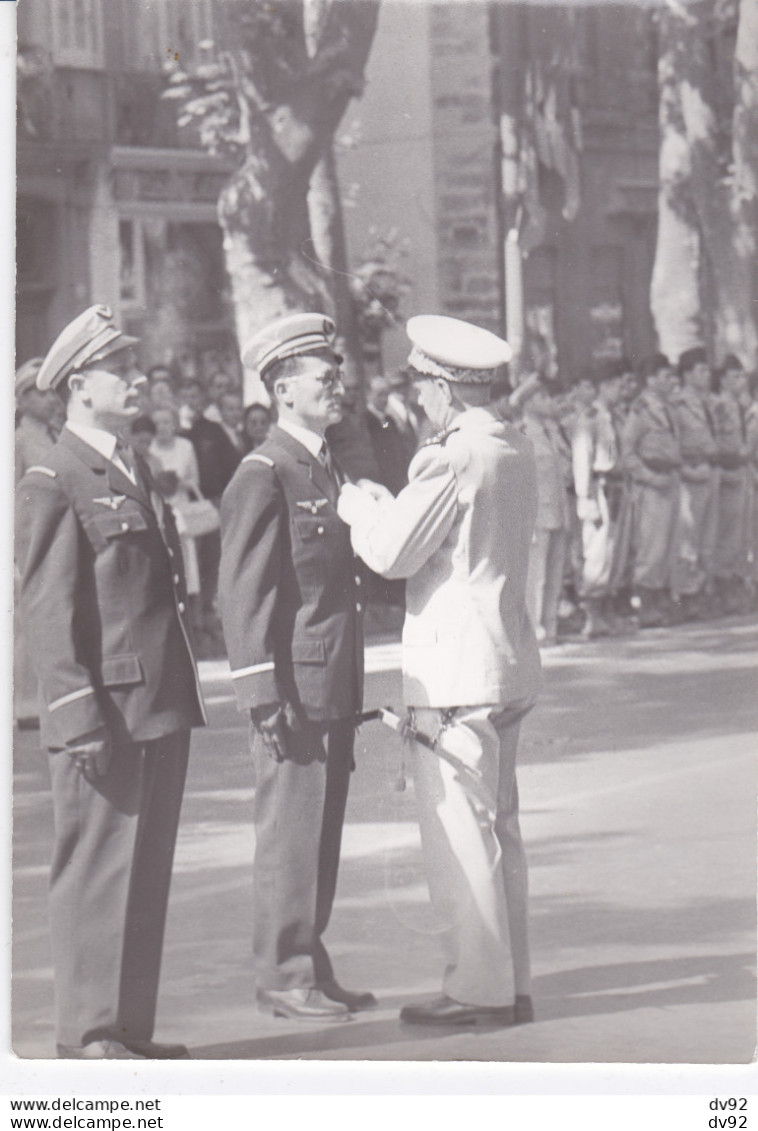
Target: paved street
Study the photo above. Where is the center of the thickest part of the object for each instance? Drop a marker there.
(638, 787)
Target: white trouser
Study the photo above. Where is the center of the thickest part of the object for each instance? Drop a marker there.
(475, 862)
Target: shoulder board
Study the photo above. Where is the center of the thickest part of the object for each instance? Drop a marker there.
(253, 458)
(440, 438)
(43, 471)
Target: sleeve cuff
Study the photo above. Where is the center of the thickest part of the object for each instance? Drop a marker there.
(255, 685)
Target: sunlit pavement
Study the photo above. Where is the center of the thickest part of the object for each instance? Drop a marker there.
(638, 791)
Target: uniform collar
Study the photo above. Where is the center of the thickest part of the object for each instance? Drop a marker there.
(309, 439)
(103, 442)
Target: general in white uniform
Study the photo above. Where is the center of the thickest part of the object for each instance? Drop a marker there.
(460, 533)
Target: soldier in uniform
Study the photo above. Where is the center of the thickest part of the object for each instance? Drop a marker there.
(103, 604)
(651, 460)
(597, 480)
(32, 440)
(730, 563)
(291, 604)
(698, 500)
(460, 533)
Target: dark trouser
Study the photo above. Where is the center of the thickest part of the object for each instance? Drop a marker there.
(109, 884)
(299, 811)
(208, 559)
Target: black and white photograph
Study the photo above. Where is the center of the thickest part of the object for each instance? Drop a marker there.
(385, 567)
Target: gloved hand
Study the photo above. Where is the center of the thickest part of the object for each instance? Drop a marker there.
(377, 491)
(274, 721)
(91, 754)
(352, 503)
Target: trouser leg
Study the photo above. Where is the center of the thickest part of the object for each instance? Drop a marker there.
(165, 771)
(535, 578)
(469, 869)
(553, 583)
(514, 866)
(299, 812)
(95, 830)
(341, 740)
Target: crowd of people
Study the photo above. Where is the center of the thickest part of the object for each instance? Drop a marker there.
(648, 489)
(484, 510)
(648, 483)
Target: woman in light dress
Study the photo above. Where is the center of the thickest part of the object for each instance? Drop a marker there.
(179, 482)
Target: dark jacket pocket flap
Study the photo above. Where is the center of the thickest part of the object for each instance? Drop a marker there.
(113, 524)
(117, 670)
(309, 651)
(310, 526)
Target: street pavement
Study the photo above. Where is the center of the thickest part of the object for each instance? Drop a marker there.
(638, 791)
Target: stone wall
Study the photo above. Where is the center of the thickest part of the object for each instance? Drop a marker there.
(463, 137)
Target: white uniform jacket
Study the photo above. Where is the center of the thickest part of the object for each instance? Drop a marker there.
(460, 533)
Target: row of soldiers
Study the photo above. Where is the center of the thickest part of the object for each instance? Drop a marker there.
(652, 501)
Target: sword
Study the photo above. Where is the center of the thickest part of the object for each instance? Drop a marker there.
(406, 730)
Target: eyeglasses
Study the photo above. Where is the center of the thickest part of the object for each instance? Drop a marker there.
(329, 380)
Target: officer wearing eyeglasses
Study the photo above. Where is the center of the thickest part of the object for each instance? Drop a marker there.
(291, 604)
(103, 608)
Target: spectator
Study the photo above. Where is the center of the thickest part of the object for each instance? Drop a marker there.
(651, 460)
(178, 480)
(731, 551)
(217, 460)
(553, 523)
(255, 425)
(230, 408)
(387, 444)
(220, 384)
(693, 568)
(598, 485)
(142, 433)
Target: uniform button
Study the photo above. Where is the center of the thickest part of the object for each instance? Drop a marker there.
(170, 552)
(319, 530)
(357, 579)
(359, 608)
(176, 579)
(180, 606)
(124, 525)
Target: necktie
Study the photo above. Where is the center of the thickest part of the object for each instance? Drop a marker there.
(325, 458)
(125, 456)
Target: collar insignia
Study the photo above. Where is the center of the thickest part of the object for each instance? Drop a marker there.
(112, 501)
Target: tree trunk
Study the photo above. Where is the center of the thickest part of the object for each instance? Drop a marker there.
(290, 110)
(745, 151)
(330, 248)
(675, 285)
(703, 287)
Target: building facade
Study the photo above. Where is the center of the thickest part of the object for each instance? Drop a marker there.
(508, 150)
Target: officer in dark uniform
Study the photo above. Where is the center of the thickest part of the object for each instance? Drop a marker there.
(103, 606)
(291, 607)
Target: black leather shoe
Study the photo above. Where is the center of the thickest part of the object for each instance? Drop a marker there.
(444, 1011)
(151, 1050)
(302, 1004)
(98, 1050)
(354, 1000)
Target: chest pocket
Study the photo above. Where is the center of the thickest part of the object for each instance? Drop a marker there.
(102, 529)
(313, 528)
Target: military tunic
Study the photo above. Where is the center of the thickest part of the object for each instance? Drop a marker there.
(291, 607)
(595, 455)
(460, 533)
(698, 500)
(103, 602)
(32, 441)
(651, 459)
(731, 438)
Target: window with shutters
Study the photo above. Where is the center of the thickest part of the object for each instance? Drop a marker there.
(77, 27)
